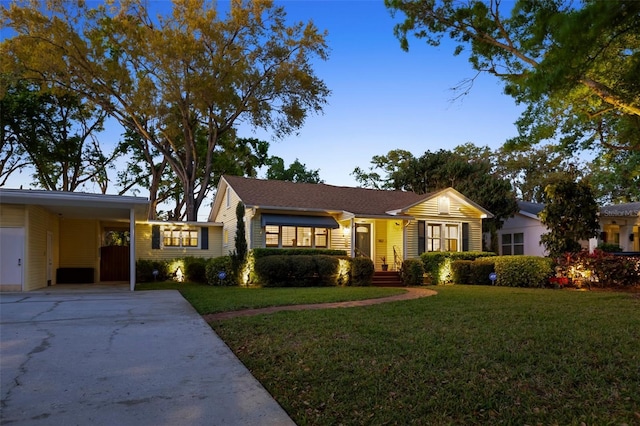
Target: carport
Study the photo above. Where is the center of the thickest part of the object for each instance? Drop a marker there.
(51, 236)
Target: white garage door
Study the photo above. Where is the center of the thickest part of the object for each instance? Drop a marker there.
(11, 257)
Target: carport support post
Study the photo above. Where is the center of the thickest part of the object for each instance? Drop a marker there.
(132, 249)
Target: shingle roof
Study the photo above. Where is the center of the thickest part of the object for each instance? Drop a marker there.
(283, 194)
(531, 208)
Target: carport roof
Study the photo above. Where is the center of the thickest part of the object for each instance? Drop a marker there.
(79, 204)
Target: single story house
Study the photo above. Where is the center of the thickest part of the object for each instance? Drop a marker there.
(619, 225)
(386, 226)
(55, 237)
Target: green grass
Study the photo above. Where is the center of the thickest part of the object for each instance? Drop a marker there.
(470, 355)
(210, 299)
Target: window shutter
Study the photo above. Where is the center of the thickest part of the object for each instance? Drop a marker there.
(465, 237)
(421, 237)
(603, 237)
(155, 237)
(204, 238)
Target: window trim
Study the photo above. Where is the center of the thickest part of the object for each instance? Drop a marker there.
(184, 233)
(425, 243)
(511, 245)
(296, 232)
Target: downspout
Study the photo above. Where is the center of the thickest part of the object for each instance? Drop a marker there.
(132, 250)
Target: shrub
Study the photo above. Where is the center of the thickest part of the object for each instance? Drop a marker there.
(362, 271)
(523, 271)
(461, 271)
(327, 268)
(412, 272)
(217, 265)
(599, 268)
(297, 271)
(438, 264)
(145, 268)
(480, 269)
(195, 269)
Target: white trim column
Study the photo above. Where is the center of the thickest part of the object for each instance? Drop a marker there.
(132, 249)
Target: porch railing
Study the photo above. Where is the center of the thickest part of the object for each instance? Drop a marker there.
(397, 260)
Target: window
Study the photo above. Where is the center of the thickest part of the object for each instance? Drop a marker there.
(438, 237)
(321, 237)
(433, 237)
(228, 197)
(272, 235)
(451, 238)
(512, 244)
(180, 238)
(296, 236)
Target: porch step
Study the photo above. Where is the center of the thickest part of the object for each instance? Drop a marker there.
(387, 279)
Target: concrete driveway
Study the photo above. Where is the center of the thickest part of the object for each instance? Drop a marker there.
(121, 358)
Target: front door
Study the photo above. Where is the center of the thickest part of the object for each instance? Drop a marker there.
(11, 257)
(363, 239)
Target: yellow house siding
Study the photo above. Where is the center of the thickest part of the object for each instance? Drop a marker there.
(35, 267)
(381, 248)
(256, 233)
(227, 216)
(459, 212)
(341, 238)
(12, 215)
(144, 250)
(79, 243)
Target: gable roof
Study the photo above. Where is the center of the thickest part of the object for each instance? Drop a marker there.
(276, 194)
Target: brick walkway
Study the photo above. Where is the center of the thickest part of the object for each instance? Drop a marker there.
(411, 293)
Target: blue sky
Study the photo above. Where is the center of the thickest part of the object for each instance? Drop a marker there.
(382, 97)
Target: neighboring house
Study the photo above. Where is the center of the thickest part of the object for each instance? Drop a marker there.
(395, 225)
(54, 237)
(619, 224)
(520, 235)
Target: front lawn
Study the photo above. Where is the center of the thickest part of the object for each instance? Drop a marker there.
(470, 355)
(211, 299)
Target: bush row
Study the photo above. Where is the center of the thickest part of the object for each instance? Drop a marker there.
(312, 270)
(599, 269)
(269, 270)
(437, 265)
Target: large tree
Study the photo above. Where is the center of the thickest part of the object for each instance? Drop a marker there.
(296, 172)
(53, 134)
(180, 80)
(574, 65)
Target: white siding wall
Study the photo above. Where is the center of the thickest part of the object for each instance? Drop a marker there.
(532, 230)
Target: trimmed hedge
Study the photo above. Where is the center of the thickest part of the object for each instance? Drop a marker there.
(195, 269)
(438, 263)
(523, 271)
(412, 272)
(461, 271)
(220, 264)
(297, 271)
(361, 272)
(480, 270)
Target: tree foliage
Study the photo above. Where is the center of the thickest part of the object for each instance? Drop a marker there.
(570, 213)
(296, 172)
(180, 81)
(52, 133)
(575, 66)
